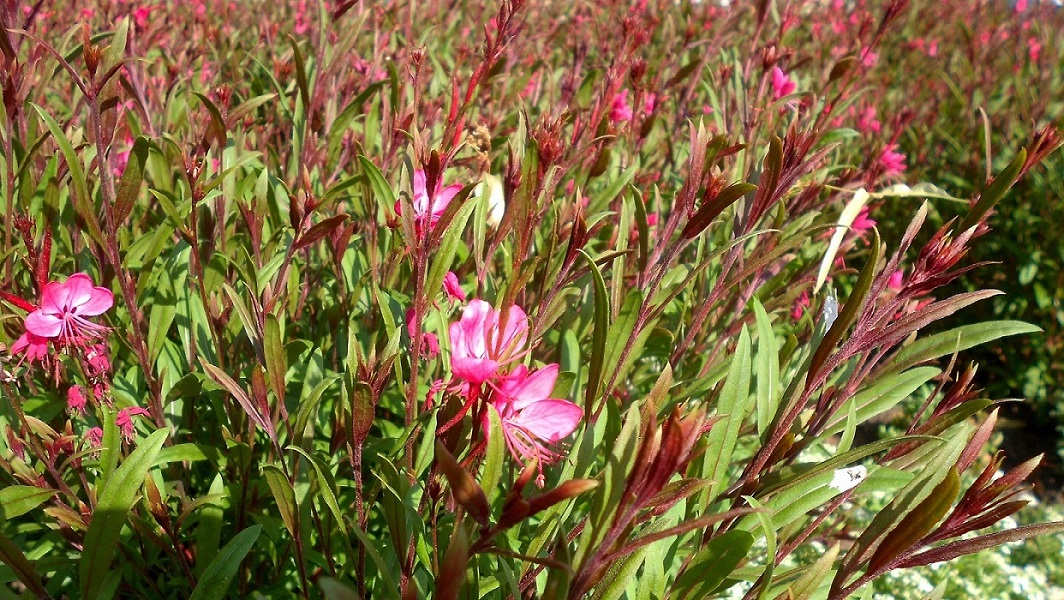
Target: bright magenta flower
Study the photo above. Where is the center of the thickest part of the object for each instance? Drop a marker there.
(124, 420)
(452, 287)
(532, 421)
(95, 437)
(892, 161)
(76, 399)
(782, 85)
(428, 208)
(480, 344)
(35, 347)
(620, 110)
(863, 222)
(64, 308)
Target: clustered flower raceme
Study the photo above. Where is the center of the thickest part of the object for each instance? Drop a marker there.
(484, 342)
(61, 322)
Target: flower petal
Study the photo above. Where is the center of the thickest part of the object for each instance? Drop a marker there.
(79, 287)
(55, 297)
(473, 370)
(536, 387)
(549, 420)
(42, 324)
(100, 301)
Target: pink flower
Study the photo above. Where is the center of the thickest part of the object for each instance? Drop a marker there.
(141, 14)
(868, 58)
(428, 208)
(782, 85)
(429, 342)
(868, 123)
(124, 420)
(35, 347)
(97, 363)
(479, 347)
(76, 400)
(862, 222)
(896, 280)
(95, 437)
(892, 161)
(64, 308)
(451, 286)
(620, 110)
(533, 422)
(650, 101)
(800, 304)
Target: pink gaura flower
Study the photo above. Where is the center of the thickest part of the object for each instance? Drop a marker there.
(34, 347)
(782, 84)
(650, 102)
(620, 110)
(892, 161)
(897, 279)
(532, 422)
(65, 307)
(430, 344)
(453, 289)
(428, 208)
(480, 344)
(867, 122)
(76, 399)
(95, 437)
(862, 222)
(800, 304)
(124, 420)
(868, 58)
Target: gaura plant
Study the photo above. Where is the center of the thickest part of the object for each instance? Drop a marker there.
(313, 301)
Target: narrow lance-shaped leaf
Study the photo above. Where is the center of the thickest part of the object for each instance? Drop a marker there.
(216, 579)
(995, 191)
(109, 516)
(598, 336)
(849, 312)
(129, 186)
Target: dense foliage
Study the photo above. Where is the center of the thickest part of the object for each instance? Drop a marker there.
(394, 299)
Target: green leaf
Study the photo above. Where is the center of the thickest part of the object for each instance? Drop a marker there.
(956, 340)
(129, 186)
(17, 500)
(371, 546)
(850, 311)
(620, 332)
(598, 337)
(381, 190)
(814, 576)
(118, 494)
(326, 487)
(301, 74)
(283, 494)
(934, 468)
(712, 565)
(448, 248)
(494, 457)
(768, 370)
(218, 129)
(332, 589)
(216, 579)
(733, 405)
(80, 196)
(995, 191)
(12, 556)
(273, 348)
